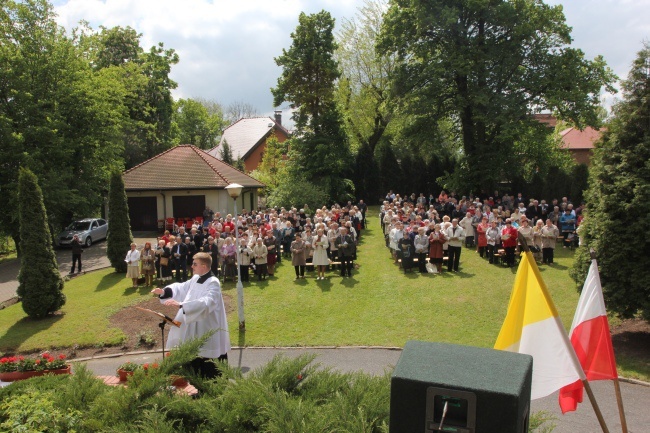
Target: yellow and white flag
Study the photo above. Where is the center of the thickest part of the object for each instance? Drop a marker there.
(532, 326)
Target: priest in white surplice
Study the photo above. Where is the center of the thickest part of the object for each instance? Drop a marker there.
(200, 309)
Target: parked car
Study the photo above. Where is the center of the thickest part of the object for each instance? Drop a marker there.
(89, 230)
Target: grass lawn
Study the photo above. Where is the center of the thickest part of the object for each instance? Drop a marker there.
(379, 306)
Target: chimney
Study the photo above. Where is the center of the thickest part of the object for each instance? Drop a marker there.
(278, 117)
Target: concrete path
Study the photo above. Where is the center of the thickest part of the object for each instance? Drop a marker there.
(636, 397)
(93, 258)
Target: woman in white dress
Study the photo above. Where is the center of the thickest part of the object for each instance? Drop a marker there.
(320, 258)
(133, 264)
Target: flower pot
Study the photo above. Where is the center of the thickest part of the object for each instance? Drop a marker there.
(66, 370)
(123, 374)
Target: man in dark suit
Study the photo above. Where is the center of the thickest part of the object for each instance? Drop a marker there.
(212, 248)
(179, 254)
(345, 245)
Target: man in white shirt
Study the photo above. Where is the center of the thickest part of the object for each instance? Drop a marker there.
(456, 235)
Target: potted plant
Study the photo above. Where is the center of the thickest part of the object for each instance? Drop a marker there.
(127, 369)
(14, 368)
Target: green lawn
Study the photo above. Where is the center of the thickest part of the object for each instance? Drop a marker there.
(378, 306)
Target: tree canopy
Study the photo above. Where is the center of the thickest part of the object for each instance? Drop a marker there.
(487, 66)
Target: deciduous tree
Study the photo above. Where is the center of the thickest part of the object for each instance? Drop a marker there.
(487, 65)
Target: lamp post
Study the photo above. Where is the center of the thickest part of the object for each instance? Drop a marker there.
(234, 190)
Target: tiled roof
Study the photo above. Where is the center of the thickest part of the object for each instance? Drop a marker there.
(244, 135)
(573, 138)
(184, 167)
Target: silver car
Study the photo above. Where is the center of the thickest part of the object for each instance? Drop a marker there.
(89, 230)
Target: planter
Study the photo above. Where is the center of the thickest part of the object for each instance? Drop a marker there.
(22, 375)
(123, 374)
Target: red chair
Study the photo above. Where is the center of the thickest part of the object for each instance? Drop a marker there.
(199, 220)
(180, 222)
(188, 224)
(169, 224)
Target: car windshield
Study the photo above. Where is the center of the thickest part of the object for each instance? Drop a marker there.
(79, 226)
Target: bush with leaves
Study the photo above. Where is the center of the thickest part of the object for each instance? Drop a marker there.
(40, 286)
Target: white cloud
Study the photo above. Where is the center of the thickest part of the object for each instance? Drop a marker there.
(226, 48)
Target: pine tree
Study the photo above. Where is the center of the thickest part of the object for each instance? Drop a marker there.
(40, 285)
(618, 200)
(119, 236)
(226, 153)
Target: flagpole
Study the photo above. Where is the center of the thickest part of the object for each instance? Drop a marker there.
(619, 401)
(617, 386)
(565, 336)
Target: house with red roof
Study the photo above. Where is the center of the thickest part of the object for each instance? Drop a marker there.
(179, 183)
(580, 144)
(247, 138)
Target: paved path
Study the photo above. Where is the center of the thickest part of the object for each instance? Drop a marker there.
(636, 397)
(93, 258)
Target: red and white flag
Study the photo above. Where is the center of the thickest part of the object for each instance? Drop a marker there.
(591, 340)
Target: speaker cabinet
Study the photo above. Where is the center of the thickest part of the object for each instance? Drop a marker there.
(466, 389)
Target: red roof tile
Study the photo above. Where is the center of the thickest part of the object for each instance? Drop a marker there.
(573, 138)
(185, 167)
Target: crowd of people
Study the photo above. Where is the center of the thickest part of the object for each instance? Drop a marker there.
(425, 230)
(308, 239)
(434, 228)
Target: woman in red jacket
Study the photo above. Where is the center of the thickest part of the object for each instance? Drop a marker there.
(509, 241)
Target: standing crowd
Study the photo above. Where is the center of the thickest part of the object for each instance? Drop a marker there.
(435, 228)
(266, 237)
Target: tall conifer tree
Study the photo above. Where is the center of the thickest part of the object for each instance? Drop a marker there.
(618, 200)
(119, 237)
(40, 285)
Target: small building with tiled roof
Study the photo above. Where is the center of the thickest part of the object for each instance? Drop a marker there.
(180, 183)
(247, 138)
(580, 143)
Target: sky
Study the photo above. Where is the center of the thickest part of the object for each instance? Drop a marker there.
(227, 48)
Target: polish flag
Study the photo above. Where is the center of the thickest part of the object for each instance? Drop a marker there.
(591, 340)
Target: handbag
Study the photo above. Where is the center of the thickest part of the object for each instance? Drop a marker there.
(164, 261)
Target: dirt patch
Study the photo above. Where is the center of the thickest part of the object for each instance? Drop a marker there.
(141, 328)
(632, 338)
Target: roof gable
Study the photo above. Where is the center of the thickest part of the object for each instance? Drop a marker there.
(185, 167)
(574, 139)
(246, 134)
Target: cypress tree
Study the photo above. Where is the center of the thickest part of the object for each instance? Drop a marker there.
(40, 285)
(119, 236)
(618, 201)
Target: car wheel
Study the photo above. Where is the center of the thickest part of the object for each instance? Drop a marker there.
(89, 241)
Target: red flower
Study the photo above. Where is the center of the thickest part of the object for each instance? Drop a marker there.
(37, 362)
(62, 356)
(4, 360)
(154, 365)
(21, 358)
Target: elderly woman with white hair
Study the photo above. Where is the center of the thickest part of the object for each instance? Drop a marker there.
(133, 264)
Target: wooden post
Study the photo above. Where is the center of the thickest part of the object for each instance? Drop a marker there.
(592, 399)
(619, 400)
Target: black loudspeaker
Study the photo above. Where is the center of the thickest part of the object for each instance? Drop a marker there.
(466, 389)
